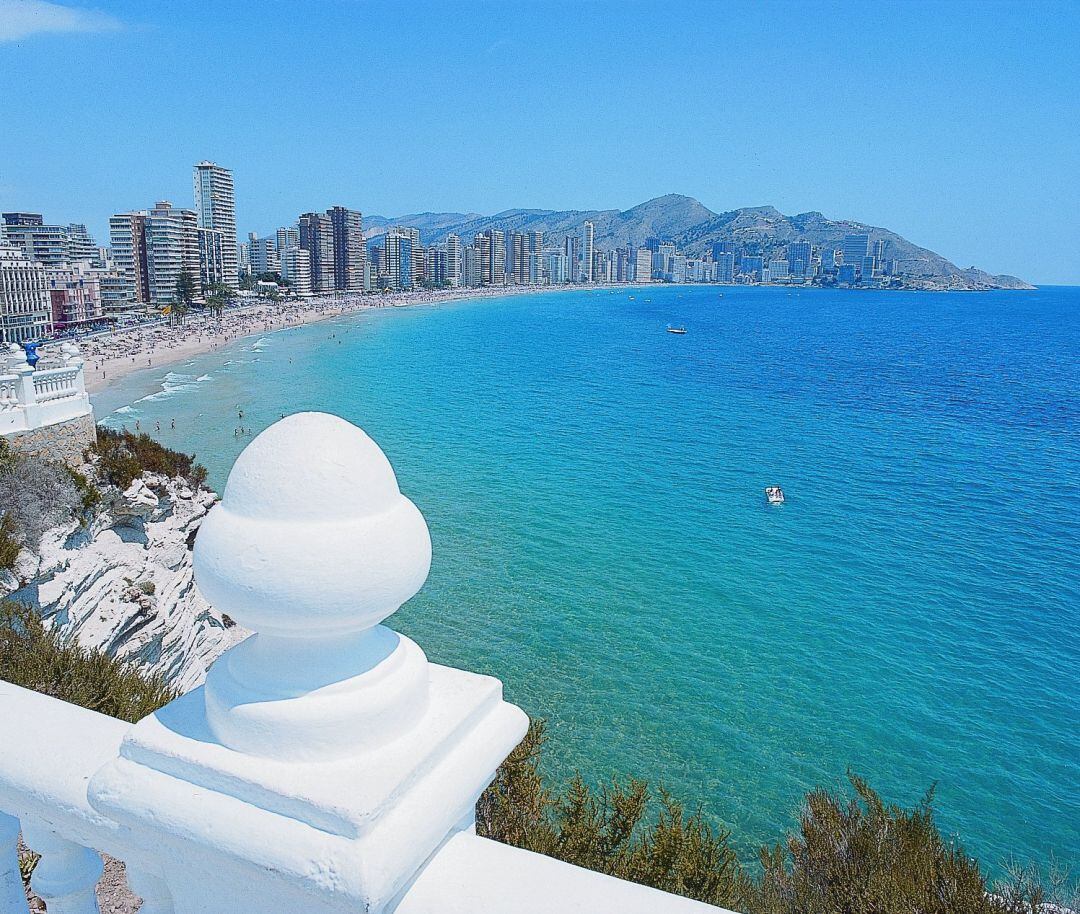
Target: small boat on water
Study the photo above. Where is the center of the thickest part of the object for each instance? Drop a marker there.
(775, 495)
(679, 330)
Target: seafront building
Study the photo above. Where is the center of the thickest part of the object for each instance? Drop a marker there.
(347, 228)
(172, 249)
(855, 249)
(25, 306)
(317, 238)
(215, 204)
(587, 234)
(296, 269)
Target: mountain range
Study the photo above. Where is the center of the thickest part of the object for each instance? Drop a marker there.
(695, 229)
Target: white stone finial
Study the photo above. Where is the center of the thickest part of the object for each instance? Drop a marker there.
(312, 546)
(324, 749)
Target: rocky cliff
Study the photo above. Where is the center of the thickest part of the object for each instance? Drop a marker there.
(122, 581)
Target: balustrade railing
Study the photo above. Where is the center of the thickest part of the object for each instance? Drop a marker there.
(326, 765)
(56, 383)
(31, 399)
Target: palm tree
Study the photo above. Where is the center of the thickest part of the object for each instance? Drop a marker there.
(218, 295)
(185, 295)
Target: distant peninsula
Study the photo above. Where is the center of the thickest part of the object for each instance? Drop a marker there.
(696, 230)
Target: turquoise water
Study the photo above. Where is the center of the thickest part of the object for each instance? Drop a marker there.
(602, 543)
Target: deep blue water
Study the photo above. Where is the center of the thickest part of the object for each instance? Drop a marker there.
(602, 543)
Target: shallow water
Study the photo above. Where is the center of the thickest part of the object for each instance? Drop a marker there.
(594, 488)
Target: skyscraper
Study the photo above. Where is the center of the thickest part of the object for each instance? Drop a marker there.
(172, 250)
(587, 234)
(856, 247)
(215, 204)
(349, 251)
(211, 258)
(401, 247)
(317, 238)
(798, 258)
(643, 265)
(453, 260)
(492, 250)
(519, 258)
(47, 244)
(127, 235)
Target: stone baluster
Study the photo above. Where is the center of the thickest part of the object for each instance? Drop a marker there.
(12, 896)
(153, 892)
(67, 873)
(325, 759)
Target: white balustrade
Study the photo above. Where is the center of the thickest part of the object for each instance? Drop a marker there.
(326, 765)
(31, 399)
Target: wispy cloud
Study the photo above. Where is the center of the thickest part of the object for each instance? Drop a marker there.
(21, 19)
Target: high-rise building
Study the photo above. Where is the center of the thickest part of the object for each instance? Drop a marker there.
(856, 247)
(317, 238)
(435, 260)
(492, 250)
(127, 236)
(587, 265)
(25, 311)
(81, 246)
(643, 265)
(172, 249)
(400, 245)
(725, 267)
(211, 258)
(349, 251)
(556, 269)
(827, 260)
(453, 260)
(752, 265)
(288, 237)
(519, 258)
(470, 266)
(571, 247)
(799, 258)
(601, 267)
(215, 204)
(47, 244)
(263, 253)
(779, 269)
(296, 269)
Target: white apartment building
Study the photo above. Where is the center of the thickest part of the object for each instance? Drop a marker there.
(172, 248)
(215, 204)
(25, 309)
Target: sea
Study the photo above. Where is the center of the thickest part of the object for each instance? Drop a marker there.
(595, 485)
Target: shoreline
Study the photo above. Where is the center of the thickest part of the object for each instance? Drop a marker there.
(112, 356)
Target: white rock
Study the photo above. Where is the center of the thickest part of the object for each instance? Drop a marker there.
(87, 583)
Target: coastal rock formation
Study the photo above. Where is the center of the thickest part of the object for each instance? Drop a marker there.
(124, 583)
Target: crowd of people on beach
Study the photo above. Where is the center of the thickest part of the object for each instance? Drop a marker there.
(113, 353)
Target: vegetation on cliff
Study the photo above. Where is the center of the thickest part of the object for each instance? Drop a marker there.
(122, 456)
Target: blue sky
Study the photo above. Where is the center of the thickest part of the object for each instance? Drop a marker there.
(955, 124)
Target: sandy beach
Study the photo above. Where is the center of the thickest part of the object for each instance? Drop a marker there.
(112, 355)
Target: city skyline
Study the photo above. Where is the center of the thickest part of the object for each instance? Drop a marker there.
(910, 127)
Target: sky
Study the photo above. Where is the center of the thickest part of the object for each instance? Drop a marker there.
(955, 124)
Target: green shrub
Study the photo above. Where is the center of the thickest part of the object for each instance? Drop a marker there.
(10, 547)
(124, 456)
(37, 658)
(620, 830)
